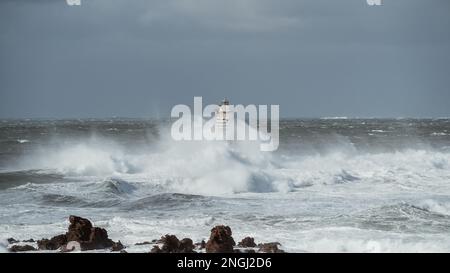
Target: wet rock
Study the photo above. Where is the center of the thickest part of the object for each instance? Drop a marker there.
(220, 240)
(29, 241)
(52, 244)
(186, 246)
(171, 244)
(270, 248)
(123, 251)
(83, 235)
(12, 241)
(21, 248)
(79, 229)
(98, 239)
(117, 246)
(156, 249)
(247, 242)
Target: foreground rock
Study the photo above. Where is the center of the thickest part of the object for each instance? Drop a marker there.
(52, 244)
(81, 233)
(12, 241)
(247, 242)
(270, 248)
(117, 246)
(220, 240)
(21, 248)
(171, 244)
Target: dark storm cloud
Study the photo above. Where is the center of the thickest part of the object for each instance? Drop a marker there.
(139, 58)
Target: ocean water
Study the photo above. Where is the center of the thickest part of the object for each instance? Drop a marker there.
(334, 185)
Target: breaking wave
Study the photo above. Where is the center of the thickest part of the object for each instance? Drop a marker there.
(215, 168)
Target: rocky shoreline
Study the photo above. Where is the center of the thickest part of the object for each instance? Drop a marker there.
(83, 236)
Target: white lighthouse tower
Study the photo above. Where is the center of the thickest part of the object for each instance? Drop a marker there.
(223, 116)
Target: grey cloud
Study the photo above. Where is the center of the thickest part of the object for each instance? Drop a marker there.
(139, 57)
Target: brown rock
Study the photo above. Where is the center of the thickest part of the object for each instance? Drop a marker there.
(171, 244)
(21, 248)
(270, 248)
(12, 241)
(98, 239)
(117, 246)
(247, 242)
(79, 229)
(156, 249)
(52, 244)
(186, 246)
(220, 240)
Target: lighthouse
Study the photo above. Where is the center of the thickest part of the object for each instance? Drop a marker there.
(224, 115)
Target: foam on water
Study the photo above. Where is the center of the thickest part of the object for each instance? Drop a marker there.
(215, 168)
(336, 198)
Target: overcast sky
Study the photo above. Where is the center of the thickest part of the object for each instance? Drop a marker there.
(138, 58)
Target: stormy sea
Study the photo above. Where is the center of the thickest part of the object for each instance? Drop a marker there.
(334, 184)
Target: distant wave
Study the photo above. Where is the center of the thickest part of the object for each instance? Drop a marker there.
(333, 118)
(216, 168)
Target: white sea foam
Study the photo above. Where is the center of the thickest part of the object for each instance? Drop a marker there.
(204, 167)
(335, 198)
(435, 206)
(3, 248)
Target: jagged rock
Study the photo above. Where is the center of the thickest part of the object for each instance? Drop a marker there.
(270, 248)
(82, 235)
(79, 229)
(156, 249)
(52, 244)
(186, 246)
(98, 239)
(12, 241)
(247, 242)
(117, 246)
(21, 248)
(171, 244)
(29, 241)
(220, 240)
